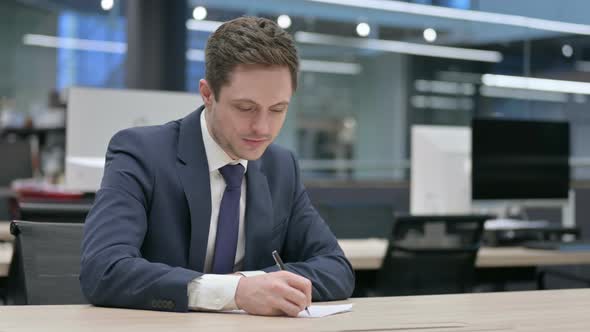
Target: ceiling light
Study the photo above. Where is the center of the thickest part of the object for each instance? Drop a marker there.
(75, 43)
(317, 66)
(284, 21)
(208, 26)
(463, 14)
(522, 94)
(443, 87)
(199, 13)
(107, 4)
(330, 67)
(399, 47)
(429, 35)
(567, 50)
(531, 83)
(363, 29)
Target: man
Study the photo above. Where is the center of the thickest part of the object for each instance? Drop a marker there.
(189, 212)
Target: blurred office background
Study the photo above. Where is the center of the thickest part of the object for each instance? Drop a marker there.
(356, 101)
(370, 70)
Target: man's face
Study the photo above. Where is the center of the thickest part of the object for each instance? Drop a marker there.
(250, 109)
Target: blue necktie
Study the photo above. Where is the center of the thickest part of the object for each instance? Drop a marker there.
(226, 239)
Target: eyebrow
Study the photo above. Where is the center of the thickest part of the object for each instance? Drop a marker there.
(282, 103)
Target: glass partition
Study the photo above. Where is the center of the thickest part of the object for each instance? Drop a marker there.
(367, 73)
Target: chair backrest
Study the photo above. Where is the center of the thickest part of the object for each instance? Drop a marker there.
(47, 262)
(357, 220)
(431, 255)
(54, 210)
(16, 161)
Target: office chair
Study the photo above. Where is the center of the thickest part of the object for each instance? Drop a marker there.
(431, 255)
(46, 263)
(16, 162)
(54, 210)
(357, 220)
(560, 277)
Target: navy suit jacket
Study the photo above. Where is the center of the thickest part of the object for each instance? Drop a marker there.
(145, 238)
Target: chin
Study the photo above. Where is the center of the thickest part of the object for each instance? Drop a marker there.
(252, 154)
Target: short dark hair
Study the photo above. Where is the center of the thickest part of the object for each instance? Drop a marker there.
(248, 40)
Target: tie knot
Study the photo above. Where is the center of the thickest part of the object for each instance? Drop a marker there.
(232, 174)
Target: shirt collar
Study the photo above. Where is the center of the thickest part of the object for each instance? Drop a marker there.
(216, 156)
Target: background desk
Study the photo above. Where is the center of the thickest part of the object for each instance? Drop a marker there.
(5, 247)
(5, 231)
(5, 258)
(548, 311)
(367, 254)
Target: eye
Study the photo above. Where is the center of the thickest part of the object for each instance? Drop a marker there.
(278, 110)
(245, 108)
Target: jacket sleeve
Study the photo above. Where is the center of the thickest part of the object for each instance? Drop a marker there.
(314, 251)
(113, 271)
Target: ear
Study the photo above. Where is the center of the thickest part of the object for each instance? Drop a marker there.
(206, 93)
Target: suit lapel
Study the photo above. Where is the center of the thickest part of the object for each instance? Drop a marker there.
(193, 171)
(259, 218)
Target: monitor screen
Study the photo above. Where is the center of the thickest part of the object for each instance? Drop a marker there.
(16, 162)
(440, 166)
(94, 115)
(514, 159)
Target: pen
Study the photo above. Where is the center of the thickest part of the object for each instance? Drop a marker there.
(281, 266)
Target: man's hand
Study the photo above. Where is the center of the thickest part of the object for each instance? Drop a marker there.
(274, 294)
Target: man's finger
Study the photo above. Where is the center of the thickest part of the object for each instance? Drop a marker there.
(302, 284)
(294, 295)
(288, 308)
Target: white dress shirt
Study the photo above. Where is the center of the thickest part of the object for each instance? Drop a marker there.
(215, 291)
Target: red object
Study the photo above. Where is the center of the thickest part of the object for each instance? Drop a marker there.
(24, 193)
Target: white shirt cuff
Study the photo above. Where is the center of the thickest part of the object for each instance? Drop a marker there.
(213, 292)
(251, 273)
(216, 291)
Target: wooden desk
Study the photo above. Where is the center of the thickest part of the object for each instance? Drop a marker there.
(5, 247)
(367, 254)
(5, 231)
(5, 258)
(548, 311)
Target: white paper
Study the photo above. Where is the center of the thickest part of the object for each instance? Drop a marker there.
(316, 311)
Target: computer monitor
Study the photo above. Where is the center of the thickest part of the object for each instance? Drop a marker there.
(440, 174)
(520, 160)
(95, 115)
(16, 162)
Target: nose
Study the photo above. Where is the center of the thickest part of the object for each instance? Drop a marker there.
(261, 124)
